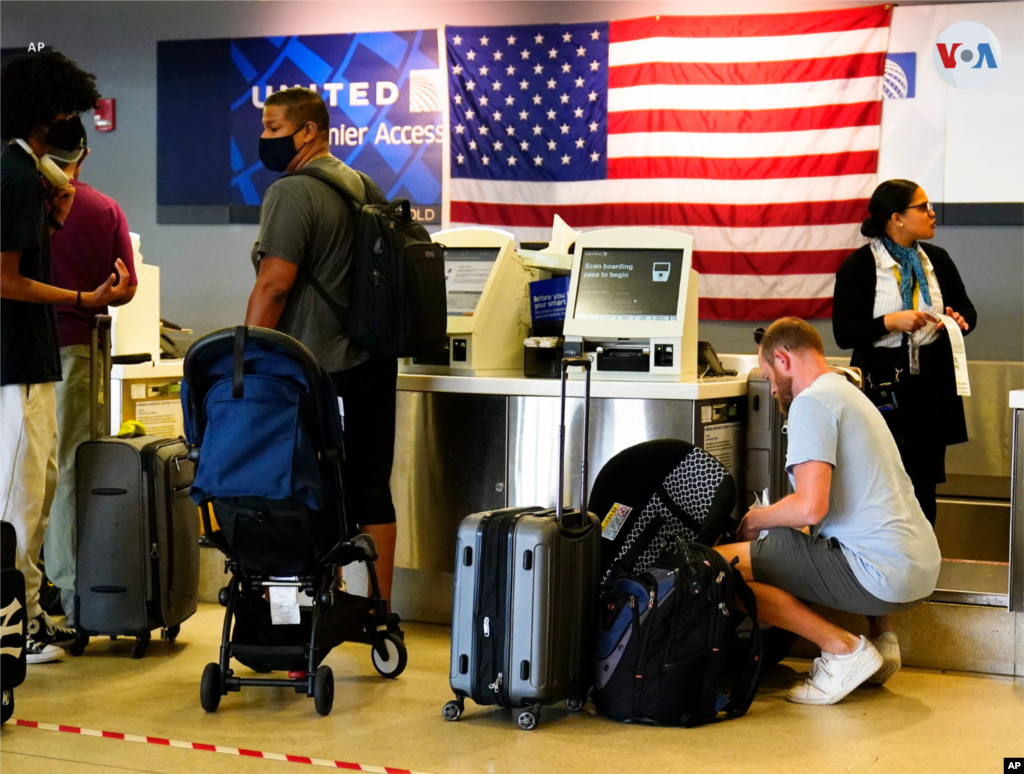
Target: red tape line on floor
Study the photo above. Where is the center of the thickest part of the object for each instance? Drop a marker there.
(271, 756)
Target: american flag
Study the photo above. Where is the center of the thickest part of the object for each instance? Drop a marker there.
(757, 134)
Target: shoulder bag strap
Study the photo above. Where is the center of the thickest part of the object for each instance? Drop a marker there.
(354, 206)
(749, 679)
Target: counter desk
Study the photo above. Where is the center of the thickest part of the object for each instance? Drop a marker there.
(1017, 504)
(469, 444)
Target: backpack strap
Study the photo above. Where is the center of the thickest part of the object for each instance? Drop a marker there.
(238, 364)
(354, 206)
(747, 682)
(679, 513)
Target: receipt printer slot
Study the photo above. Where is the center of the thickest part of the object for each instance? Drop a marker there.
(458, 350)
(623, 359)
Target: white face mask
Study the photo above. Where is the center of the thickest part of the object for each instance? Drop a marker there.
(47, 167)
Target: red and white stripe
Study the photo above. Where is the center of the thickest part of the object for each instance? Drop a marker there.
(757, 134)
(272, 756)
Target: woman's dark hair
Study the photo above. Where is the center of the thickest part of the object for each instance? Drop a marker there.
(35, 88)
(890, 196)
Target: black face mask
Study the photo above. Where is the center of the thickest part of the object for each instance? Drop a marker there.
(66, 133)
(277, 153)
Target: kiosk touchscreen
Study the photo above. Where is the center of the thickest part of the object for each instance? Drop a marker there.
(488, 305)
(633, 304)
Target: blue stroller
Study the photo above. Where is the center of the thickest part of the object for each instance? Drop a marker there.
(264, 431)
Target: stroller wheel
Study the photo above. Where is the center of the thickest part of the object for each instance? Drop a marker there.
(323, 690)
(209, 688)
(397, 656)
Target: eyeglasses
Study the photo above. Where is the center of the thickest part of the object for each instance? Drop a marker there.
(924, 207)
(759, 334)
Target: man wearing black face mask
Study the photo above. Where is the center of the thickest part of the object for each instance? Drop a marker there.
(42, 97)
(306, 234)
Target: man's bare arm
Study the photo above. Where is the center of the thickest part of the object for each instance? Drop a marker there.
(805, 507)
(16, 287)
(273, 284)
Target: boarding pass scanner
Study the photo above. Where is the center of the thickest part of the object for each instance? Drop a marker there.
(488, 296)
(632, 306)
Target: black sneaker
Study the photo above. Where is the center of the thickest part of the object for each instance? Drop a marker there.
(40, 653)
(45, 632)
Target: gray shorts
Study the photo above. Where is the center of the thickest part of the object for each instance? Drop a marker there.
(814, 570)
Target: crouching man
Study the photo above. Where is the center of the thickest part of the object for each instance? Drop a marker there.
(869, 548)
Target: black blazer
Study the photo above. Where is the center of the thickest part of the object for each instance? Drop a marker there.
(935, 407)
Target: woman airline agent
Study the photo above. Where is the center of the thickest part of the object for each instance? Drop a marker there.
(886, 296)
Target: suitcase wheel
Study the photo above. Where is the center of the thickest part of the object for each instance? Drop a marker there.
(389, 655)
(170, 633)
(209, 688)
(8, 708)
(77, 648)
(574, 703)
(323, 690)
(141, 646)
(528, 719)
(452, 711)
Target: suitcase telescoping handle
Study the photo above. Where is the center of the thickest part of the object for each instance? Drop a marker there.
(585, 364)
(99, 377)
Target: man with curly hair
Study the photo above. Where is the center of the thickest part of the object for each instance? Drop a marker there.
(42, 97)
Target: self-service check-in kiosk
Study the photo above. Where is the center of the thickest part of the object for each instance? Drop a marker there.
(632, 306)
(488, 305)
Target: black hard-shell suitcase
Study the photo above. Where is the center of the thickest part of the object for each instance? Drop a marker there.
(12, 618)
(138, 539)
(525, 601)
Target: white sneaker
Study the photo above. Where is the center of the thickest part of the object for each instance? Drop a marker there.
(40, 653)
(833, 677)
(889, 647)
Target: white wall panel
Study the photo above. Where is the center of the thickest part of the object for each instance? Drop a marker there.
(984, 126)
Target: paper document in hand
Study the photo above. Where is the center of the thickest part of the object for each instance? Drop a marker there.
(956, 341)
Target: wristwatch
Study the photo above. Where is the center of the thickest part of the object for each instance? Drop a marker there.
(56, 224)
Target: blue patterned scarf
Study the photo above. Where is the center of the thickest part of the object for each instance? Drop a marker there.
(910, 268)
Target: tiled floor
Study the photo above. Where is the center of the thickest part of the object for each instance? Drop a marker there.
(922, 721)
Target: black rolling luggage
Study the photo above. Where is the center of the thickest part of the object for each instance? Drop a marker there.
(138, 539)
(525, 600)
(12, 618)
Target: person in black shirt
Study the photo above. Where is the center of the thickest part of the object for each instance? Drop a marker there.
(43, 96)
(886, 297)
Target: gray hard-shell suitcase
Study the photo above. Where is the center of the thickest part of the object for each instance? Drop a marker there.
(525, 599)
(138, 539)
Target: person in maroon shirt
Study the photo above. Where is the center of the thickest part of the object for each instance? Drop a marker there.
(83, 253)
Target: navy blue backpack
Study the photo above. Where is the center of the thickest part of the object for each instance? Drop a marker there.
(264, 430)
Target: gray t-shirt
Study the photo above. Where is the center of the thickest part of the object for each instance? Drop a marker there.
(305, 221)
(872, 510)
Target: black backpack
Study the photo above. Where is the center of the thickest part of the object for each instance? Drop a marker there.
(13, 613)
(654, 491)
(663, 640)
(399, 302)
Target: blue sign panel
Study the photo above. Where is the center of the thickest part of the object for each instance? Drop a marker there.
(383, 93)
(548, 299)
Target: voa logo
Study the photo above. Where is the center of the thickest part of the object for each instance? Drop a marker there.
(967, 55)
